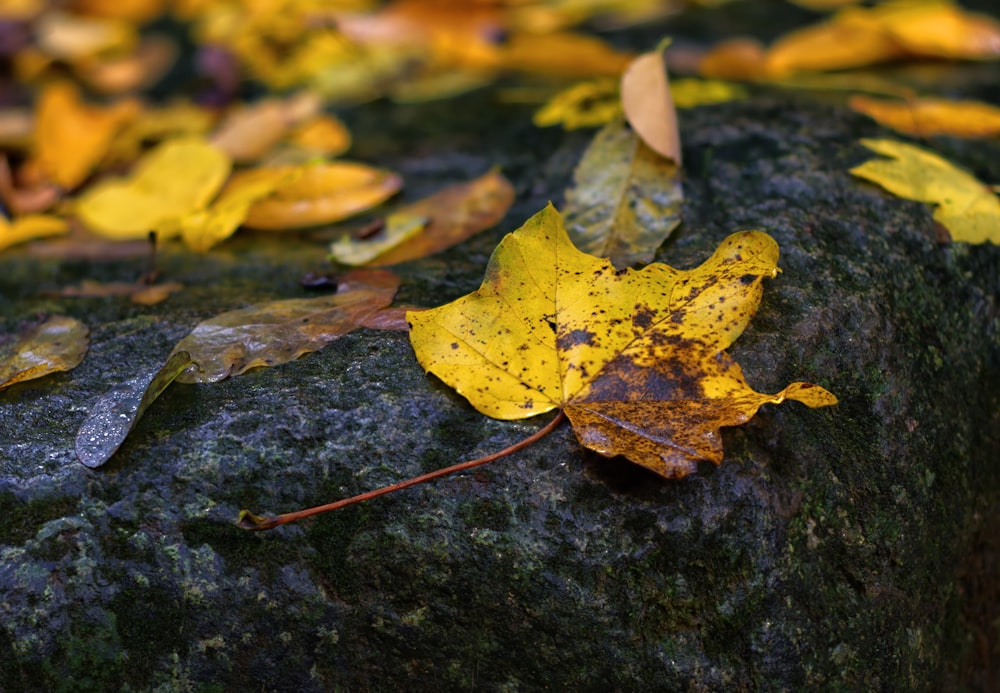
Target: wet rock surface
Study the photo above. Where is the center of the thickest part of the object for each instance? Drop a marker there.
(825, 552)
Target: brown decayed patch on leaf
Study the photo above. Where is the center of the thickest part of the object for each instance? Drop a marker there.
(634, 357)
(57, 344)
(268, 334)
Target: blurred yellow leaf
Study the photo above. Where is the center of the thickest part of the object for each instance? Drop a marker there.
(29, 227)
(322, 193)
(856, 37)
(964, 205)
(204, 228)
(323, 135)
(176, 178)
(66, 36)
(249, 132)
(397, 227)
(691, 92)
(564, 54)
(926, 117)
(584, 105)
(71, 137)
(134, 11)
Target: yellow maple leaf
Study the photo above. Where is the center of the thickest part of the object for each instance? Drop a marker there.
(926, 117)
(964, 205)
(178, 177)
(635, 358)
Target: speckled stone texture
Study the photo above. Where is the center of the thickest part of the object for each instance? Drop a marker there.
(823, 554)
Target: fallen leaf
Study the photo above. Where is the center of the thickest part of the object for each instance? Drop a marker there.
(138, 292)
(29, 227)
(203, 229)
(249, 132)
(738, 58)
(57, 344)
(70, 36)
(562, 53)
(926, 117)
(648, 105)
(269, 334)
(178, 177)
(394, 230)
(635, 358)
(455, 214)
(584, 105)
(858, 36)
(321, 193)
(322, 135)
(114, 415)
(691, 92)
(72, 137)
(625, 200)
(964, 205)
(852, 38)
(139, 69)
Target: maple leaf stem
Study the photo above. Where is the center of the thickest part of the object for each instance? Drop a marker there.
(249, 521)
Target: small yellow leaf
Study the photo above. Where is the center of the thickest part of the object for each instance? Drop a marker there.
(176, 178)
(29, 227)
(690, 92)
(926, 117)
(649, 106)
(583, 105)
(322, 193)
(965, 206)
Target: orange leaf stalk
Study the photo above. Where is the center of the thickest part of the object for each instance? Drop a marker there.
(249, 521)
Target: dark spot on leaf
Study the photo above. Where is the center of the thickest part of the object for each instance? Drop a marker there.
(454, 345)
(748, 278)
(575, 338)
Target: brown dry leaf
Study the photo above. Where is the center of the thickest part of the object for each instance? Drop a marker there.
(322, 193)
(71, 137)
(57, 344)
(247, 134)
(139, 292)
(649, 106)
(269, 334)
(927, 117)
(456, 213)
(636, 358)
